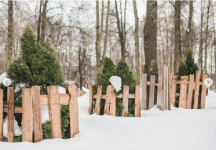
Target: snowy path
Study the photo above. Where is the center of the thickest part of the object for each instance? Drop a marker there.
(178, 129)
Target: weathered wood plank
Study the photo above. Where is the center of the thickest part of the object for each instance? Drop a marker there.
(54, 111)
(118, 96)
(165, 88)
(190, 91)
(26, 115)
(107, 101)
(64, 99)
(203, 94)
(137, 110)
(113, 102)
(183, 93)
(169, 89)
(159, 93)
(144, 92)
(10, 101)
(125, 100)
(196, 92)
(1, 115)
(98, 100)
(152, 90)
(38, 134)
(173, 90)
(90, 99)
(73, 110)
(17, 109)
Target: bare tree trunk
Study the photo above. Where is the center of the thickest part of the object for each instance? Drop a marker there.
(188, 31)
(10, 40)
(178, 54)
(39, 22)
(43, 24)
(101, 25)
(97, 35)
(201, 40)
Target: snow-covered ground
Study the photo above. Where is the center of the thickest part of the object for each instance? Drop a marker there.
(178, 129)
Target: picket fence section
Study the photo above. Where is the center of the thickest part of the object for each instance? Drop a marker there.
(110, 100)
(31, 104)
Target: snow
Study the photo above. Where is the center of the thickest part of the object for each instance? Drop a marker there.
(2, 77)
(179, 129)
(17, 129)
(116, 82)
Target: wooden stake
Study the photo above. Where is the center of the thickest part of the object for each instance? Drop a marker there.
(137, 102)
(107, 102)
(190, 91)
(38, 134)
(203, 95)
(125, 100)
(113, 102)
(144, 92)
(98, 100)
(159, 93)
(196, 93)
(165, 89)
(1, 115)
(173, 90)
(26, 115)
(152, 89)
(90, 99)
(10, 100)
(169, 89)
(73, 109)
(183, 93)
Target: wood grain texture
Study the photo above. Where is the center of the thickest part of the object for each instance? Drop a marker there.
(169, 89)
(144, 92)
(183, 93)
(190, 91)
(152, 90)
(173, 90)
(26, 115)
(165, 88)
(113, 102)
(196, 92)
(160, 93)
(54, 111)
(98, 100)
(107, 101)
(73, 110)
(137, 110)
(17, 109)
(10, 101)
(203, 94)
(125, 100)
(38, 134)
(90, 99)
(1, 115)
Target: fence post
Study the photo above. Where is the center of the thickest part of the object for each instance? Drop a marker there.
(98, 100)
(10, 100)
(26, 115)
(1, 114)
(159, 93)
(196, 93)
(152, 90)
(113, 102)
(125, 100)
(38, 134)
(107, 101)
(73, 110)
(190, 91)
(203, 95)
(173, 90)
(144, 92)
(54, 111)
(165, 88)
(90, 99)
(183, 93)
(169, 89)
(137, 101)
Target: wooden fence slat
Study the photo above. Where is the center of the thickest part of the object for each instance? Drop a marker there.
(107, 101)
(1, 115)
(159, 93)
(173, 90)
(54, 111)
(183, 93)
(90, 99)
(26, 115)
(144, 92)
(152, 89)
(125, 100)
(10, 100)
(190, 91)
(203, 94)
(113, 102)
(165, 88)
(73, 110)
(196, 93)
(137, 102)
(38, 134)
(98, 100)
(169, 89)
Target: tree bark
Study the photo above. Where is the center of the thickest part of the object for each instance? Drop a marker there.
(43, 24)
(188, 31)
(101, 27)
(39, 21)
(97, 35)
(201, 40)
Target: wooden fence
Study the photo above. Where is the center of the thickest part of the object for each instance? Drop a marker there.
(110, 100)
(31, 104)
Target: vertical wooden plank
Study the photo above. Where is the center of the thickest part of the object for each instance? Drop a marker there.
(196, 93)
(173, 90)
(1, 115)
(125, 100)
(169, 89)
(152, 89)
(159, 93)
(183, 93)
(38, 134)
(190, 91)
(90, 99)
(54, 111)
(203, 94)
(143, 68)
(10, 101)
(98, 100)
(107, 102)
(144, 92)
(165, 88)
(73, 110)
(113, 102)
(26, 115)
(137, 102)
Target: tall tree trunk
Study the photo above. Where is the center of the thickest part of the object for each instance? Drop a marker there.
(10, 40)
(39, 22)
(137, 53)
(43, 24)
(97, 35)
(101, 25)
(188, 31)
(178, 53)
(201, 40)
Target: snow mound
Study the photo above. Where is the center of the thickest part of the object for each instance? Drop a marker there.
(116, 82)
(2, 77)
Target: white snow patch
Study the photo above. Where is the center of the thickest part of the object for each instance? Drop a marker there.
(2, 77)
(116, 82)
(17, 129)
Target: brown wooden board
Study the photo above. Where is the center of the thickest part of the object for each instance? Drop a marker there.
(10, 101)
(169, 90)
(113, 102)
(190, 91)
(203, 94)
(159, 93)
(98, 100)
(26, 115)
(144, 92)
(196, 92)
(73, 110)
(17, 109)
(1, 115)
(54, 111)
(173, 90)
(107, 102)
(183, 93)
(152, 90)
(125, 100)
(165, 88)
(137, 102)
(38, 134)
(90, 99)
